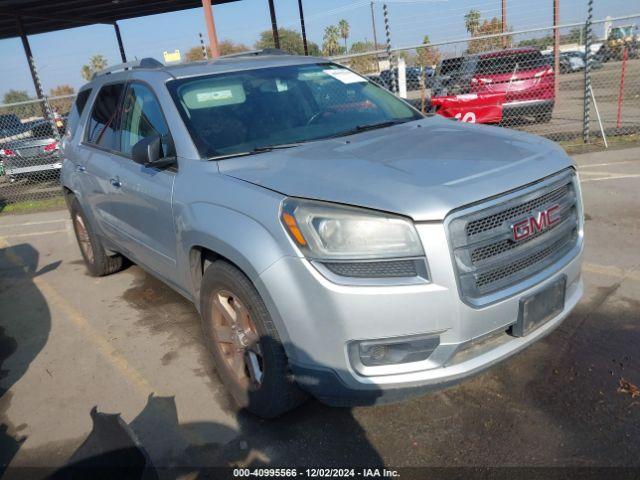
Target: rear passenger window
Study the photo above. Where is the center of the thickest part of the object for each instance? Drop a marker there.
(76, 111)
(103, 123)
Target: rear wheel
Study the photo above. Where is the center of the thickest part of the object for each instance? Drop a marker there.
(244, 343)
(98, 261)
(544, 117)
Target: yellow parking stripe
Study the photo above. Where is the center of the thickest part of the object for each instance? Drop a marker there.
(55, 299)
(35, 234)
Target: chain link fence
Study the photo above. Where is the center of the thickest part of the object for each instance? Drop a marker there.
(589, 92)
(512, 79)
(30, 159)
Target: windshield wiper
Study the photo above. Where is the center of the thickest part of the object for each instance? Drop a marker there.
(255, 151)
(368, 126)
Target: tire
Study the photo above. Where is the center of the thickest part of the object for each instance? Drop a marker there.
(98, 261)
(544, 118)
(268, 390)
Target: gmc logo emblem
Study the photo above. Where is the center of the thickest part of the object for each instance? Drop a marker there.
(536, 223)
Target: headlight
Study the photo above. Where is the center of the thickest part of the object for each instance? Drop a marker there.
(325, 231)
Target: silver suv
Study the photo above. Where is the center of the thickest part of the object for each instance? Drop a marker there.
(334, 240)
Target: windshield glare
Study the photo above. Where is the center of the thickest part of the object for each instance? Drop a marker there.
(242, 111)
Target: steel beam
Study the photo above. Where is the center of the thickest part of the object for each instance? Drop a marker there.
(29, 55)
(123, 55)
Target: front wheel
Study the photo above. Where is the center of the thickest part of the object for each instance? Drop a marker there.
(244, 343)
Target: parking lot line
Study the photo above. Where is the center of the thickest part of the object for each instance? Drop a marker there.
(608, 271)
(616, 177)
(35, 234)
(607, 164)
(82, 325)
(29, 224)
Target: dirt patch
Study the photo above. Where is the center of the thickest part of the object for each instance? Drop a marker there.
(162, 311)
(168, 357)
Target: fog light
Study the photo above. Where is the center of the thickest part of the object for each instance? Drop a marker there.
(394, 351)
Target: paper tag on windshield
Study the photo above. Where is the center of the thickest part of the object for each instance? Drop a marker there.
(344, 75)
(213, 95)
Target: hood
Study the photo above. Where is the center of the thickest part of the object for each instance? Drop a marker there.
(422, 169)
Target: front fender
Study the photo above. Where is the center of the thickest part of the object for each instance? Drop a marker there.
(241, 239)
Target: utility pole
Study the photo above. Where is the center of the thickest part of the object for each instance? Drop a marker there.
(274, 24)
(504, 23)
(211, 28)
(375, 37)
(304, 32)
(556, 45)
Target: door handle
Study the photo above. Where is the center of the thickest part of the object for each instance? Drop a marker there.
(81, 168)
(115, 182)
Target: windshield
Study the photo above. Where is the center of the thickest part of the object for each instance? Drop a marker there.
(502, 64)
(244, 111)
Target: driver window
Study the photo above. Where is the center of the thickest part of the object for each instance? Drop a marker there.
(141, 117)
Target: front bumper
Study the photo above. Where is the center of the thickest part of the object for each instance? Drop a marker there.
(535, 107)
(317, 319)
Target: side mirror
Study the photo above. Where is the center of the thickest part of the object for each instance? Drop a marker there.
(148, 152)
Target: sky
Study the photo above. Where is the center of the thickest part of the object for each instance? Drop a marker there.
(60, 55)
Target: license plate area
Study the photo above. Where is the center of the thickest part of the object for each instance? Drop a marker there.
(537, 309)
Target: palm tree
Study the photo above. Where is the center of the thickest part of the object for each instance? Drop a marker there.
(96, 63)
(472, 21)
(343, 26)
(331, 42)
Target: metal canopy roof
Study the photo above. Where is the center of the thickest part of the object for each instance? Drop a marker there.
(41, 16)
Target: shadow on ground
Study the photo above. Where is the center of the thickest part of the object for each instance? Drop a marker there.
(25, 323)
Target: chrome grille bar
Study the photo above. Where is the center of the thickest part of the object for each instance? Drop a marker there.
(488, 258)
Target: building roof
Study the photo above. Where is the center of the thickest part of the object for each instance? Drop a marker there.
(41, 16)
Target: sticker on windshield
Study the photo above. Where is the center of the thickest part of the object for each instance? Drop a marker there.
(344, 75)
(214, 95)
(211, 93)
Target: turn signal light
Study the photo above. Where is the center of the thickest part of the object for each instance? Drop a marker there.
(292, 226)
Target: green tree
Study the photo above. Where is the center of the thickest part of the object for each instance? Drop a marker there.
(472, 21)
(330, 41)
(290, 42)
(225, 47)
(343, 26)
(62, 105)
(96, 63)
(365, 63)
(15, 96)
(427, 56)
(22, 111)
(488, 27)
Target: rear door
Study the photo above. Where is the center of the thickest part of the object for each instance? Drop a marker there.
(146, 192)
(98, 160)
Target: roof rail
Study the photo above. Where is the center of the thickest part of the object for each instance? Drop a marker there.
(147, 62)
(256, 53)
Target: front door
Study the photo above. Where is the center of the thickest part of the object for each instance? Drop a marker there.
(147, 192)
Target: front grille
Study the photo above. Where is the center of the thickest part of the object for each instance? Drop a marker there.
(388, 269)
(510, 269)
(492, 221)
(493, 249)
(487, 257)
